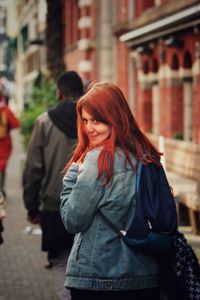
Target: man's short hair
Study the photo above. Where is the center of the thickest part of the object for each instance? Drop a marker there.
(69, 84)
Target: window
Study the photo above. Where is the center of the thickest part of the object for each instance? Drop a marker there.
(3, 55)
(2, 20)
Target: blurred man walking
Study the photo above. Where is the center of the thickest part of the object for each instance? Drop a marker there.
(52, 140)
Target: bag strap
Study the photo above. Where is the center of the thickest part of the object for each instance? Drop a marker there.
(122, 233)
(138, 176)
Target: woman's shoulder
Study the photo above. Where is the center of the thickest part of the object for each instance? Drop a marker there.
(120, 154)
(91, 158)
(93, 153)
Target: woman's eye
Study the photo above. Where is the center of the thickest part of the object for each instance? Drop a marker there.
(95, 121)
(84, 121)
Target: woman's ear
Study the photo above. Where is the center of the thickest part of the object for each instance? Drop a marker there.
(59, 95)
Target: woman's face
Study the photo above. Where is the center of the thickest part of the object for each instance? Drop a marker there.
(96, 131)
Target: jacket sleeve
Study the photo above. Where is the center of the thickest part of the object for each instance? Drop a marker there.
(34, 170)
(81, 194)
(13, 122)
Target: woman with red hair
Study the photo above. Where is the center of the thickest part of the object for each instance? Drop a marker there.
(102, 176)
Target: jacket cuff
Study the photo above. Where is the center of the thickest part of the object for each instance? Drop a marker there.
(33, 213)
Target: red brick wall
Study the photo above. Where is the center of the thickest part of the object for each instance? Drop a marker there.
(71, 15)
(122, 54)
(171, 108)
(121, 10)
(144, 108)
(176, 102)
(143, 5)
(72, 58)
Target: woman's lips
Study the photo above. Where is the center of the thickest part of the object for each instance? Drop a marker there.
(92, 135)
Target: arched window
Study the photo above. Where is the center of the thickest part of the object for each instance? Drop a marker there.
(155, 65)
(175, 62)
(187, 63)
(145, 67)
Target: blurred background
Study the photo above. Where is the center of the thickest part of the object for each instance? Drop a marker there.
(150, 49)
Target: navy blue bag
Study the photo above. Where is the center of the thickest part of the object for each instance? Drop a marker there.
(155, 220)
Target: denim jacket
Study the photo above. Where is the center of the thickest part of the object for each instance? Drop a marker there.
(99, 259)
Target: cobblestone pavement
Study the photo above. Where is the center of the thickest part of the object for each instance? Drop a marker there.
(22, 275)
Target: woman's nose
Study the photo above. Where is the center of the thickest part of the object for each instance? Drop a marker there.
(90, 127)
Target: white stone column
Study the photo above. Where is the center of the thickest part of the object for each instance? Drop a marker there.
(105, 40)
(155, 109)
(187, 112)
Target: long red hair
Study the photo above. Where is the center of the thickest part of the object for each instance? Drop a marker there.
(107, 104)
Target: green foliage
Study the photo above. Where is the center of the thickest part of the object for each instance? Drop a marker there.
(43, 97)
(44, 92)
(27, 121)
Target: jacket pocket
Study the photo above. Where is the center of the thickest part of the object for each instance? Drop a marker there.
(76, 246)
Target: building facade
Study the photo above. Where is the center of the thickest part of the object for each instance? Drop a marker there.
(89, 40)
(151, 49)
(164, 44)
(30, 48)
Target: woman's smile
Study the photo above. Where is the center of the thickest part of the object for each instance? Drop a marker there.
(97, 131)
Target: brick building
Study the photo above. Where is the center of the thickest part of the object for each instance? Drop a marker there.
(88, 38)
(30, 50)
(151, 49)
(164, 42)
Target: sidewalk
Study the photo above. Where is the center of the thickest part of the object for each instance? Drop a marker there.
(23, 276)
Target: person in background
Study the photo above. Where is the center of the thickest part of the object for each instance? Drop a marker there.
(101, 176)
(8, 122)
(2, 215)
(51, 144)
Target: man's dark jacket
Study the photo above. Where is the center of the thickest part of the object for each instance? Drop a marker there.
(52, 142)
